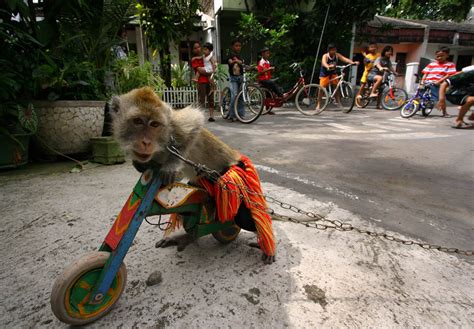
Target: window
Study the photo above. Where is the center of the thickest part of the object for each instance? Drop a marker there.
(401, 59)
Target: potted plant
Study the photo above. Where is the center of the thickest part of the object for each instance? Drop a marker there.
(67, 65)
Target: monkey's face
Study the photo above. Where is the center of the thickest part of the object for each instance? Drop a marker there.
(146, 136)
(141, 123)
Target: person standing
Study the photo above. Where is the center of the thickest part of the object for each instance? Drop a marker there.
(235, 63)
(203, 83)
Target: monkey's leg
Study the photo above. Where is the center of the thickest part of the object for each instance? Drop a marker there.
(244, 220)
(182, 241)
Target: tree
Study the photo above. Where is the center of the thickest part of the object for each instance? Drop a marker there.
(297, 26)
(436, 10)
(164, 22)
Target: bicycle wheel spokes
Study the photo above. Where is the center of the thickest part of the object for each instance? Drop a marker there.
(311, 99)
(363, 100)
(225, 102)
(347, 96)
(394, 99)
(268, 95)
(252, 99)
(409, 109)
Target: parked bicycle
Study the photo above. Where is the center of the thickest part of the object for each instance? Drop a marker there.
(306, 95)
(249, 94)
(343, 90)
(421, 100)
(392, 98)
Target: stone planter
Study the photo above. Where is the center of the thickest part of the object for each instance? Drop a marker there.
(67, 126)
(106, 150)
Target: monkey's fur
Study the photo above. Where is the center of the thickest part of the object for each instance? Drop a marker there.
(143, 125)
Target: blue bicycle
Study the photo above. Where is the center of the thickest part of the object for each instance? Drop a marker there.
(421, 100)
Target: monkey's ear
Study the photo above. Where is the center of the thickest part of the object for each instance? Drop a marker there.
(114, 105)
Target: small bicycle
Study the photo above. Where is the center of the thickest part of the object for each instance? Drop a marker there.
(421, 100)
(392, 98)
(306, 95)
(89, 287)
(344, 88)
(249, 94)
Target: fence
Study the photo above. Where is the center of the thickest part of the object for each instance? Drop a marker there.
(182, 97)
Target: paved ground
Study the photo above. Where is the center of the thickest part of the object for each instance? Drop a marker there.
(413, 178)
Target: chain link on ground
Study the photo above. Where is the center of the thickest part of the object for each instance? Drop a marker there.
(316, 221)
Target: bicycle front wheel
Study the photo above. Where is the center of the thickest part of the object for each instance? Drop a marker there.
(394, 98)
(225, 102)
(252, 99)
(312, 99)
(347, 97)
(409, 109)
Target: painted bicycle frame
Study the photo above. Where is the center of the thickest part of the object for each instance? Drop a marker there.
(422, 97)
(276, 101)
(150, 198)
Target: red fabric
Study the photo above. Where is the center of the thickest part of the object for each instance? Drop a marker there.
(435, 70)
(195, 64)
(243, 185)
(263, 65)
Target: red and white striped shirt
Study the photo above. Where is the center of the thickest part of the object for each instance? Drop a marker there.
(435, 70)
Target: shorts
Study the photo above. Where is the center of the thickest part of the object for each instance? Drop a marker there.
(434, 93)
(371, 76)
(324, 81)
(364, 77)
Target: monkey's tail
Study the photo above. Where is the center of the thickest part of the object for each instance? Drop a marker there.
(243, 184)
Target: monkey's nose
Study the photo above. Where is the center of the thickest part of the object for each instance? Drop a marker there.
(146, 145)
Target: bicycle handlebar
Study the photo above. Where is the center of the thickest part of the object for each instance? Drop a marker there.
(343, 67)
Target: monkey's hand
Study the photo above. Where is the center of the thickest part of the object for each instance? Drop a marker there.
(168, 177)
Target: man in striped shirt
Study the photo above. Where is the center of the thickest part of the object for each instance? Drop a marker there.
(438, 71)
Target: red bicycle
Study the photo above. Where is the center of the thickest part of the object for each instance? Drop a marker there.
(306, 96)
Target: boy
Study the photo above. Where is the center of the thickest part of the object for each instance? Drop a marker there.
(265, 73)
(438, 71)
(235, 63)
(328, 72)
(370, 56)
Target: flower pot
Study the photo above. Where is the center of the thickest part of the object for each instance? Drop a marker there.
(67, 126)
(12, 153)
(106, 150)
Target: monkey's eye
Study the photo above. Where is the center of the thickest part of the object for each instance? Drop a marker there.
(138, 121)
(154, 124)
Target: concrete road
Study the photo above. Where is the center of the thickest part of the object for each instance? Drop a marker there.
(412, 178)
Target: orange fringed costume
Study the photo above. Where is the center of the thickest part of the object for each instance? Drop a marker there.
(239, 184)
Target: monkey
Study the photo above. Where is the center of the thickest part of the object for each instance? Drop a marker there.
(145, 126)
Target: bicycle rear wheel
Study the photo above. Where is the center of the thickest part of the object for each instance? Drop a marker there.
(225, 102)
(347, 97)
(253, 104)
(409, 109)
(363, 100)
(312, 99)
(394, 99)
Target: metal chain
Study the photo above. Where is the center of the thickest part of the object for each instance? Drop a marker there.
(315, 219)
